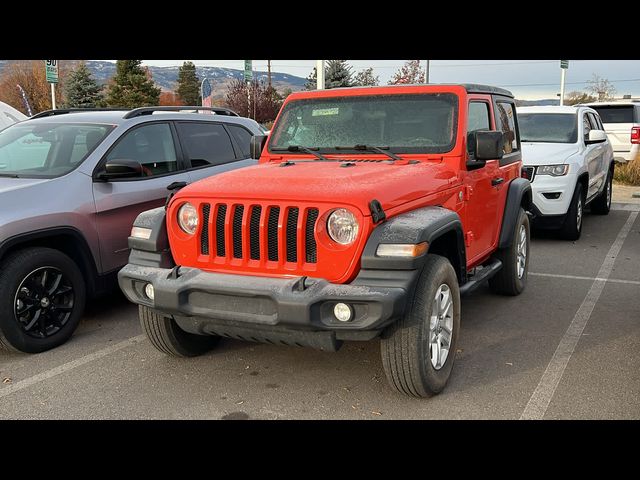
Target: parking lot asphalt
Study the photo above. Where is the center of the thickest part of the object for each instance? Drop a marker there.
(567, 348)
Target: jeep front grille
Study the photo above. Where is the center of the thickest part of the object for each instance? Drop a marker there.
(273, 233)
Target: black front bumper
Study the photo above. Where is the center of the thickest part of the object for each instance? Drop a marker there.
(546, 222)
(276, 310)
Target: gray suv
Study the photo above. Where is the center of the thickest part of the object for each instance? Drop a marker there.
(71, 185)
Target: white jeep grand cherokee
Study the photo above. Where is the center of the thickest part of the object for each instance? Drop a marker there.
(568, 159)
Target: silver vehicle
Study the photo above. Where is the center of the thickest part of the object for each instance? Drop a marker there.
(71, 185)
(621, 120)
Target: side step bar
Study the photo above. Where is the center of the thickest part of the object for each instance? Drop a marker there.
(486, 273)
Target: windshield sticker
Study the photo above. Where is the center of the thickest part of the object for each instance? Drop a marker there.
(321, 112)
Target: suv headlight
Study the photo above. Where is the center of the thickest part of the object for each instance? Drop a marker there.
(342, 226)
(188, 218)
(553, 170)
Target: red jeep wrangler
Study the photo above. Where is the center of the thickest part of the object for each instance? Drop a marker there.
(371, 211)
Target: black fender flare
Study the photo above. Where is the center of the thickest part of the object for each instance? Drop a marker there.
(154, 251)
(424, 224)
(519, 195)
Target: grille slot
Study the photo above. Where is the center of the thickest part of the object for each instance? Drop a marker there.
(272, 234)
(204, 233)
(292, 235)
(254, 233)
(310, 239)
(237, 231)
(220, 244)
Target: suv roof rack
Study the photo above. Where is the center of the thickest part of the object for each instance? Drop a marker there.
(137, 112)
(62, 111)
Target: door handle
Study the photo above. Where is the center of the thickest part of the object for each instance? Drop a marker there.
(497, 181)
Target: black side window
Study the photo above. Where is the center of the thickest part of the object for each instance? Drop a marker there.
(594, 122)
(151, 145)
(586, 125)
(205, 143)
(243, 139)
(505, 121)
(478, 119)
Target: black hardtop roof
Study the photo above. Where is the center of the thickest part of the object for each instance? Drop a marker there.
(478, 88)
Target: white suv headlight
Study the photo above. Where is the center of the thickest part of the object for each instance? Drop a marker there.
(343, 226)
(188, 218)
(553, 170)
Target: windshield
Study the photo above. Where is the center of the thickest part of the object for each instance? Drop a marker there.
(424, 123)
(47, 150)
(548, 127)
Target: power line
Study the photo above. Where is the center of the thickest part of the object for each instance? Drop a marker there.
(568, 83)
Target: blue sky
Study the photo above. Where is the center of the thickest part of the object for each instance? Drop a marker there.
(527, 79)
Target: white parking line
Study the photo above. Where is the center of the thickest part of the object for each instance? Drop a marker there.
(577, 277)
(539, 401)
(65, 367)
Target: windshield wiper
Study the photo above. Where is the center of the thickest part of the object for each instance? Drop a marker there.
(372, 148)
(9, 175)
(300, 148)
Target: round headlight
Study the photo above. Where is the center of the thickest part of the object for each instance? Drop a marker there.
(343, 226)
(188, 218)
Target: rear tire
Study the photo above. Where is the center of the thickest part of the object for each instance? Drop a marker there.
(572, 228)
(411, 345)
(166, 336)
(511, 279)
(602, 203)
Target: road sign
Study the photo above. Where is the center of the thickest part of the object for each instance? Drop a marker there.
(564, 64)
(51, 67)
(248, 70)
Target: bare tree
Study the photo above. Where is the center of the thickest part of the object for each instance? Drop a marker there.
(602, 88)
(265, 100)
(575, 98)
(410, 72)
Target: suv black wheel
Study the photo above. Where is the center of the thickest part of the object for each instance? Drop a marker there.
(572, 227)
(165, 335)
(42, 297)
(602, 203)
(512, 277)
(418, 351)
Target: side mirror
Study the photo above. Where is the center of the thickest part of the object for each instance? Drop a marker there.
(596, 136)
(257, 144)
(488, 145)
(120, 168)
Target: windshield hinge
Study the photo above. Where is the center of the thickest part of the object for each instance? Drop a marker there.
(377, 213)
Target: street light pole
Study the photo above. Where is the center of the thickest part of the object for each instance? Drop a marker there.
(320, 74)
(426, 78)
(563, 74)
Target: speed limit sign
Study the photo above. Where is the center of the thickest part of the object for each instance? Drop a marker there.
(51, 67)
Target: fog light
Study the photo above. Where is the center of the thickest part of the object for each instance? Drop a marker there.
(343, 312)
(552, 195)
(148, 291)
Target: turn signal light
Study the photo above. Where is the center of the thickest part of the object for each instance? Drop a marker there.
(402, 249)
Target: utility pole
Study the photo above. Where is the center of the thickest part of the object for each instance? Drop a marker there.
(269, 73)
(564, 66)
(320, 74)
(426, 77)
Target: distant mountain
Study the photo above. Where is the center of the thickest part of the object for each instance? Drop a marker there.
(166, 77)
(537, 103)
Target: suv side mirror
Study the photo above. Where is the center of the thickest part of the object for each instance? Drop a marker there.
(257, 144)
(488, 145)
(120, 168)
(596, 136)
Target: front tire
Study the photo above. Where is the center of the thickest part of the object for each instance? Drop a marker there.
(511, 279)
(572, 228)
(166, 336)
(418, 351)
(42, 298)
(602, 203)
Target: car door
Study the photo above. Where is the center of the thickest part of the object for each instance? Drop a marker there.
(209, 149)
(482, 192)
(118, 202)
(592, 155)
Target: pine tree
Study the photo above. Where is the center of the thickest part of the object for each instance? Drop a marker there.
(410, 72)
(81, 90)
(188, 84)
(366, 78)
(337, 73)
(131, 87)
